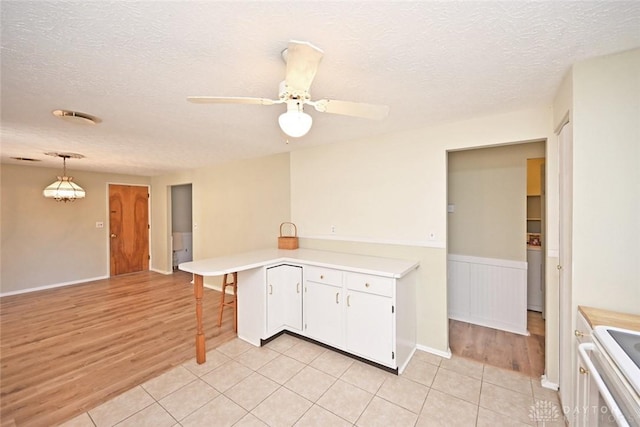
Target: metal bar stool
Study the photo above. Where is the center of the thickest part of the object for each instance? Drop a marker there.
(231, 303)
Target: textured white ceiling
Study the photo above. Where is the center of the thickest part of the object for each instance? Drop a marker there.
(133, 64)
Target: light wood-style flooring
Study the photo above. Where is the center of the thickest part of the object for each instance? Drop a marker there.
(67, 350)
(524, 354)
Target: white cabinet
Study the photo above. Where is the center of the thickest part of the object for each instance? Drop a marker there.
(323, 313)
(323, 305)
(370, 316)
(360, 304)
(284, 298)
(356, 313)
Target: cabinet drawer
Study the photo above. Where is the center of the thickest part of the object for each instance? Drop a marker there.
(323, 275)
(370, 284)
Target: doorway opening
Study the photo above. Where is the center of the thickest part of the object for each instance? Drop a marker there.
(181, 224)
(488, 237)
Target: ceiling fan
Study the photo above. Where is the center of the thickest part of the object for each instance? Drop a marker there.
(302, 59)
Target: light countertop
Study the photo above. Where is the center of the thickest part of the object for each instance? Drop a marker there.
(600, 317)
(387, 267)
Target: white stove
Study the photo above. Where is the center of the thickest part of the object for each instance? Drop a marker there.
(623, 346)
(615, 360)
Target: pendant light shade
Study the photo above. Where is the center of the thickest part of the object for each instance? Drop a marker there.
(295, 122)
(64, 189)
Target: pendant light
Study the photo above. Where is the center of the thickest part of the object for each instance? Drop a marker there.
(64, 189)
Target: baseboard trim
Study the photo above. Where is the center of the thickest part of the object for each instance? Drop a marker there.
(56, 285)
(445, 354)
(544, 382)
(155, 270)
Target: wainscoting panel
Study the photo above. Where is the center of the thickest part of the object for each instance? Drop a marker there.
(488, 292)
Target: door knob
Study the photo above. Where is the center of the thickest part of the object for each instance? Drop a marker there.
(113, 236)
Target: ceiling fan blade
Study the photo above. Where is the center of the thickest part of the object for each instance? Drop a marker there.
(303, 59)
(231, 100)
(356, 109)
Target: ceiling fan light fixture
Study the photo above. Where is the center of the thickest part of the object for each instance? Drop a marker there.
(295, 122)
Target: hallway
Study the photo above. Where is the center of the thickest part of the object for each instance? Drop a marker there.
(519, 353)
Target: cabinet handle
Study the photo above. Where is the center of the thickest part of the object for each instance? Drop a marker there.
(297, 288)
(583, 371)
(366, 285)
(270, 290)
(337, 293)
(321, 277)
(348, 300)
(578, 333)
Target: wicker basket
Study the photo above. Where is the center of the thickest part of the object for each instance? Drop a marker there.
(290, 241)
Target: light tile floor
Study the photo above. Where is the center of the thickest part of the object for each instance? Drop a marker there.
(293, 382)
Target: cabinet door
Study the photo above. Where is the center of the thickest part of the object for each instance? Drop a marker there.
(323, 312)
(535, 174)
(284, 298)
(369, 322)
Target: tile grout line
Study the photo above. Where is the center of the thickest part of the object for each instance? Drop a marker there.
(308, 364)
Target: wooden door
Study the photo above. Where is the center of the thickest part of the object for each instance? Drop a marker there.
(128, 228)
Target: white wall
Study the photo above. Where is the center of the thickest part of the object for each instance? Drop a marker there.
(387, 195)
(48, 243)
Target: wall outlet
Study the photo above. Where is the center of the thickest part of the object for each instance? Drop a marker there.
(99, 224)
(432, 236)
(333, 229)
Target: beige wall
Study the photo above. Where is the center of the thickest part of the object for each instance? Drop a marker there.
(387, 195)
(47, 243)
(487, 187)
(236, 207)
(606, 182)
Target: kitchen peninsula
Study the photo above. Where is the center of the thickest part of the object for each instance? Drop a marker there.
(362, 305)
